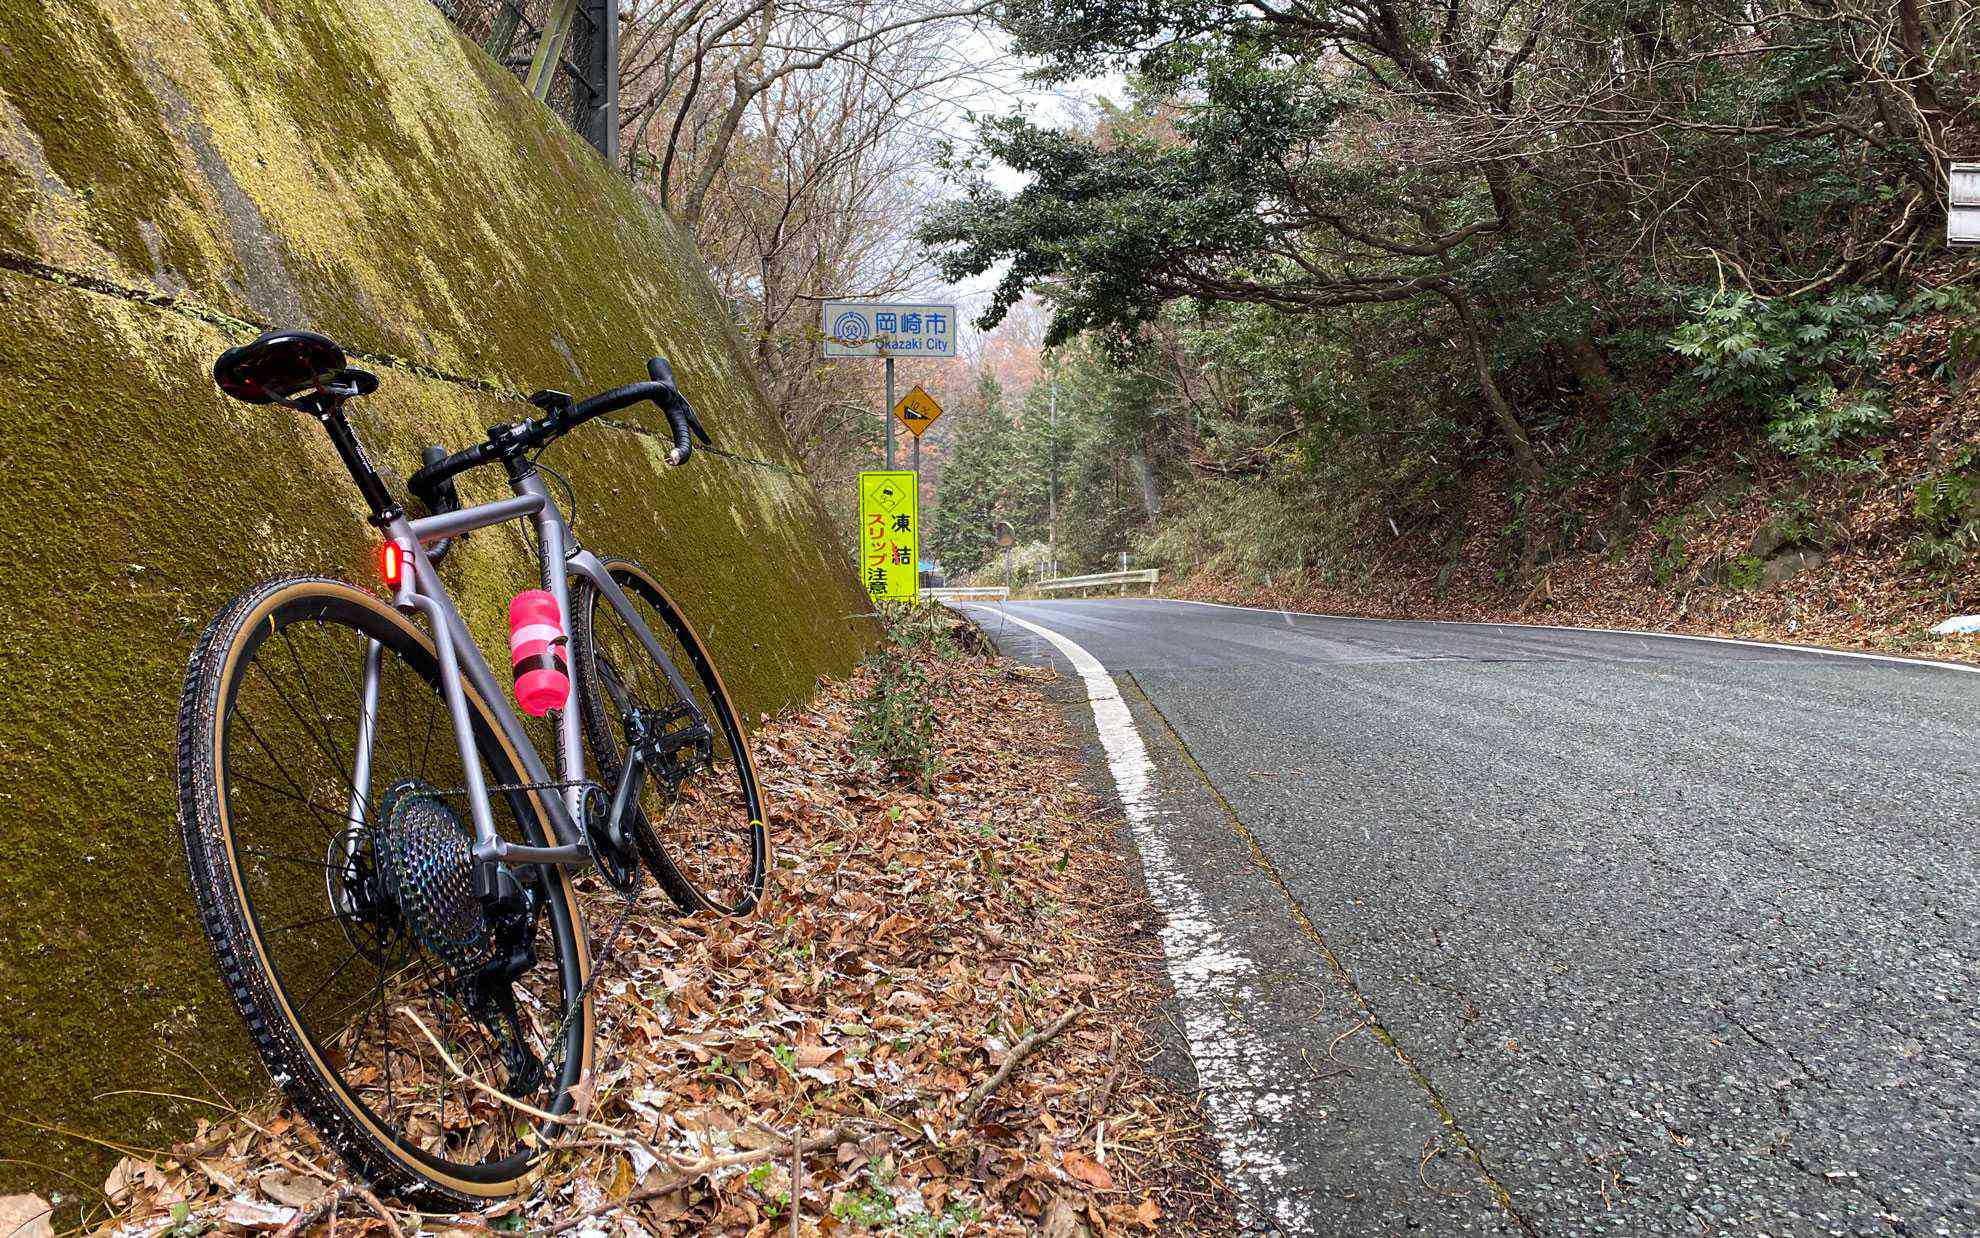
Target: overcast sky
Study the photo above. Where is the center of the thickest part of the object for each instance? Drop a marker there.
(1001, 91)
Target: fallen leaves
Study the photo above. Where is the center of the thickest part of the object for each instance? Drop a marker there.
(1085, 1169)
(25, 1216)
(929, 998)
(1703, 512)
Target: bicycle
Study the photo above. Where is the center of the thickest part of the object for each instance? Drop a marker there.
(402, 971)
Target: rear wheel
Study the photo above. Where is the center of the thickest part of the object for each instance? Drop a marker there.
(700, 824)
(335, 906)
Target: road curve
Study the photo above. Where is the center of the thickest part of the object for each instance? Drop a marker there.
(1523, 930)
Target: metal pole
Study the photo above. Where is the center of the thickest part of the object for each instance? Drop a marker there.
(917, 509)
(888, 412)
(1052, 484)
(600, 124)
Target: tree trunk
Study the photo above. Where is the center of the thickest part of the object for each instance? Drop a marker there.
(1911, 36)
(1144, 479)
(1524, 461)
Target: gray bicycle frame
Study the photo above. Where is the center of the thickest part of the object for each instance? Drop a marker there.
(420, 590)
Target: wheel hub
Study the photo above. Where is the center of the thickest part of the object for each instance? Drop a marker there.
(675, 743)
(364, 911)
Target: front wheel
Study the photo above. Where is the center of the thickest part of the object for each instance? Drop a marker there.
(700, 821)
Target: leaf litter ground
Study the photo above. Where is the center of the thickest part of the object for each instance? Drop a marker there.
(920, 935)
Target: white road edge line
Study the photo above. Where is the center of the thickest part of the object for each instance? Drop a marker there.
(1241, 1090)
(1560, 627)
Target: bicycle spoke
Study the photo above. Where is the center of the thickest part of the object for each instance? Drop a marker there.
(338, 819)
(328, 750)
(299, 795)
(292, 859)
(337, 757)
(286, 928)
(327, 981)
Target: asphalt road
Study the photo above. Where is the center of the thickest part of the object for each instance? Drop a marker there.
(1497, 930)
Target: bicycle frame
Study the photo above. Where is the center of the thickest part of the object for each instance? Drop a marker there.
(420, 590)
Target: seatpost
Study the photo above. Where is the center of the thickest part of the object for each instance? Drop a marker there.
(329, 410)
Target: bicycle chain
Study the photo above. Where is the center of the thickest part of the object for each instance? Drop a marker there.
(606, 953)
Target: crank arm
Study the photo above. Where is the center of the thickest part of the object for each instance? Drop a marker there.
(625, 796)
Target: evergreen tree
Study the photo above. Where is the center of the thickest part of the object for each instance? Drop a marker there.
(973, 479)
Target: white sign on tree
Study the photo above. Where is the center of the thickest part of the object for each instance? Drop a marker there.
(888, 329)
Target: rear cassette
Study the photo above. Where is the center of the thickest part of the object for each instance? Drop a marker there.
(426, 856)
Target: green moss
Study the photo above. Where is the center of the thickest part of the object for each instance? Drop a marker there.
(1745, 572)
(354, 164)
(99, 130)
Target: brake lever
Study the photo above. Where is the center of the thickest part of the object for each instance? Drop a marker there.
(694, 424)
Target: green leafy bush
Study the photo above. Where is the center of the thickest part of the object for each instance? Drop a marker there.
(1809, 366)
(1947, 507)
(896, 723)
(1671, 555)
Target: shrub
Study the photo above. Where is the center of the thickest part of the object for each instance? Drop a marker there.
(1808, 366)
(895, 727)
(1947, 507)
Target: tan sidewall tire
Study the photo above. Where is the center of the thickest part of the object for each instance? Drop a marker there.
(224, 909)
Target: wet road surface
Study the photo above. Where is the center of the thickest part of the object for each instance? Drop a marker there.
(1484, 929)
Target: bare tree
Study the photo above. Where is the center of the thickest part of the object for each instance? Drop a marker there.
(794, 140)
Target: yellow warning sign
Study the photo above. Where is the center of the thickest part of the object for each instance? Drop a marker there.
(917, 410)
(889, 562)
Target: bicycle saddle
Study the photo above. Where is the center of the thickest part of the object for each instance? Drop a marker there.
(278, 366)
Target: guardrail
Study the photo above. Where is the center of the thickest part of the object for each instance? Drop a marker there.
(998, 592)
(1144, 576)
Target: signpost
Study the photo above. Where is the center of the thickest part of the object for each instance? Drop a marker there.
(889, 535)
(890, 329)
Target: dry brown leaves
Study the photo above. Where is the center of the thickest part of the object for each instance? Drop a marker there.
(1864, 596)
(908, 944)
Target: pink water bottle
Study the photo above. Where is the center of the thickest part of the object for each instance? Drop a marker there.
(536, 650)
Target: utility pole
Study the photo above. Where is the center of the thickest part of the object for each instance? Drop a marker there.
(887, 410)
(1052, 482)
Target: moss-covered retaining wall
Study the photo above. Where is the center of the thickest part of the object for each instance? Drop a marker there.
(175, 174)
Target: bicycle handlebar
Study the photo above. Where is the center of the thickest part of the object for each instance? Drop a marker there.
(432, 483)
(659, 388)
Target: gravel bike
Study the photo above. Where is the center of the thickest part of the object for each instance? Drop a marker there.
(416, 976)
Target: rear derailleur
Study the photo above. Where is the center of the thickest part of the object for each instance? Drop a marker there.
(489, 991)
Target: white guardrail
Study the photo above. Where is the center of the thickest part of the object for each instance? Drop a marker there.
(1144, 576)
(965, 592)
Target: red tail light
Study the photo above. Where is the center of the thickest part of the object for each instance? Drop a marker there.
(391, 563)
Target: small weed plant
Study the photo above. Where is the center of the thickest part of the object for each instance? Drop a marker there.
(1947, 508)
(895, 728)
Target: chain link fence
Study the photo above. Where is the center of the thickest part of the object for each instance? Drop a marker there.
(575, 74)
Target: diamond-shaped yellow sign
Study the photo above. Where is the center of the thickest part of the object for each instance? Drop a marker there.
(917, 410)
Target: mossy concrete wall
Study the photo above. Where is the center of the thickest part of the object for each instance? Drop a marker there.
(173, 175)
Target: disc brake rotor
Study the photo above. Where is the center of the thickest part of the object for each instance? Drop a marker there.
(351, 877)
